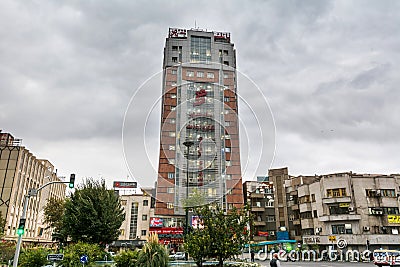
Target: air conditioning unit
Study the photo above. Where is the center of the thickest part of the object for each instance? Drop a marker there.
(351, 209)
(272, 233)
(378, 193)
(318, 230)
(366, 228)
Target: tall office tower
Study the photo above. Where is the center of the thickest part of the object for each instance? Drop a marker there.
(199, 140)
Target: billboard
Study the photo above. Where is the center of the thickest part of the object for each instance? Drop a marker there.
(125, 184)
(156, 222)
(197, 222)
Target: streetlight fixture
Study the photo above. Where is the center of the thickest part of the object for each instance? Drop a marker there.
(187, 144)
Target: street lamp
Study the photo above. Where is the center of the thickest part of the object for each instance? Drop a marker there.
(187, 144)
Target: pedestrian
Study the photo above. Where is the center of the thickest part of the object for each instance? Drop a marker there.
(252, 256)
(274, 261)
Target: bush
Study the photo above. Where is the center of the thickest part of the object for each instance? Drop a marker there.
(126, 258)
(34, 257)
(73, 253)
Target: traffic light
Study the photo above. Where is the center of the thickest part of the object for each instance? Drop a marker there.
(72, 181)
(21, 227)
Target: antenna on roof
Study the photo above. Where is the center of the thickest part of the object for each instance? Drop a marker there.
(195, 24)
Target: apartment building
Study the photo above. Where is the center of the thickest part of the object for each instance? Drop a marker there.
(260, 196)
(21, 171)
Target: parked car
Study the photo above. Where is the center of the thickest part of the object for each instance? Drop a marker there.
(177, 256)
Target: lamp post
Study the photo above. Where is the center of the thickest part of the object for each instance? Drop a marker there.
(187, 144)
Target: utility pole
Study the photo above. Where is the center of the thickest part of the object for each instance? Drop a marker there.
(32, 193)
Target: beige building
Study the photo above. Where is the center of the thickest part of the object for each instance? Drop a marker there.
(362, 209)
(139, 208)
(21, 171)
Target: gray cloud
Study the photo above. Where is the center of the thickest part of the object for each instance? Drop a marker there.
(68, 71)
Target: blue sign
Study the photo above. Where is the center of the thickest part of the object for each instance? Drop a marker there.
(282, 235)
(84, 259)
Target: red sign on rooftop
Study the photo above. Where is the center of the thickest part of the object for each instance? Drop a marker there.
(125, 184)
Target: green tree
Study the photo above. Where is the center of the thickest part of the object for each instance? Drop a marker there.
(34, 257)
(227, 233)
(93, 214)
(195, 199)
(2, 225)
(126, 258)
(197, 244)
(53, 216)
(7, 250)
(153, 254)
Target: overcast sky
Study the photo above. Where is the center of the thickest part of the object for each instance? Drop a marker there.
(329, 70)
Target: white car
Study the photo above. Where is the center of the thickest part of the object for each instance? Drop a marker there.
(177, 256)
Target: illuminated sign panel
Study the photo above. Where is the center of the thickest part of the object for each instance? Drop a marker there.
(156, 222)
(125, 184)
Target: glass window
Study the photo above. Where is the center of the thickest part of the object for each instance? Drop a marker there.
(226, 99)
(145, 202)
(200, 74)
(173, 71)
(171, 175)
(171, 147)
(226, 76)
(171, 134)
(337, 192)
(341, 229)
(227, 149)
(190, 73)
(228, 177)
(210, 75)
(173, 108)
(174, 59)
(173, 95)
(144, 232)
(170, 205)
(170, 190)
(200, 49)
(144, 217)
(228, 163)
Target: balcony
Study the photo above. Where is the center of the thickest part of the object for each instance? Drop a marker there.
(307, 223)
(256, 195)
(296, 222)
(305, 207)
(259, 223)
(333, 200)
(340, 217)
(294, 207)
(257, 209)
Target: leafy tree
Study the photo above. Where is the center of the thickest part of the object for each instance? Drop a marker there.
(53, 216)
(34, 257)
(73, 253)
(93, 214)
(2, 225)
(226, 234)
(126, 258)
(195, 199)
(7, 250)
(153, 254)
(197, 244)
